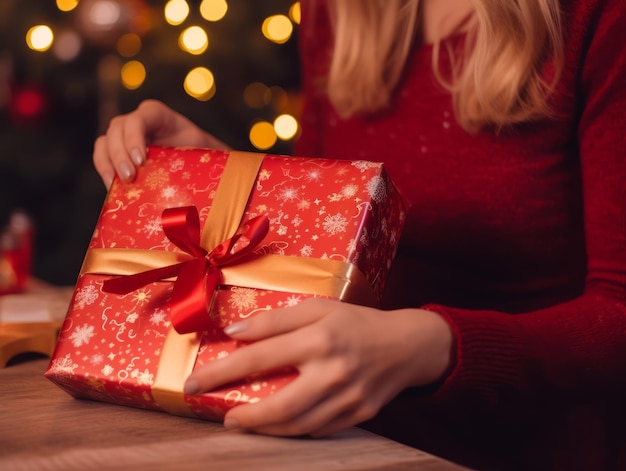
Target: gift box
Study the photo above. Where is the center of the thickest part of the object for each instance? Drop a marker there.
(205, 238)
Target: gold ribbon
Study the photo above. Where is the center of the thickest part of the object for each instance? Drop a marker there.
(332, 278)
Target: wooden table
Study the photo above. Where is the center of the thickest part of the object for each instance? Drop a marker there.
(43, 428)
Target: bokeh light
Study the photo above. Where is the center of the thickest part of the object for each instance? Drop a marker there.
(67, 46)
(200, 84)
(295, 13)
(213, 10)
(285, 126)
(105, 14)
(257, 95)
(194, 40)
(39, 38)
(129, 45)
(133, 74)
(176, 11)
(262, 135)
(277, 28)
(67, 5)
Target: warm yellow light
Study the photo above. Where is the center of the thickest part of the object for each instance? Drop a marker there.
(213, 10)
(200, 84)
(133, 74)
(39, 38)
(194, 40)
(67, 5)
(277, 28)
(257, 95)
(285, 126)
(295, 13)
(262, 135)
(176, 11)
(129, 44)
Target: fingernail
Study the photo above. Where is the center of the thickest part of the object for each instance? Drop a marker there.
(136, 155)
(124, 171)
(191, 387)
(236, 328)
(108, 181)
(231, 423)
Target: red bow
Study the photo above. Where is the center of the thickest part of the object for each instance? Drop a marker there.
(198, 278)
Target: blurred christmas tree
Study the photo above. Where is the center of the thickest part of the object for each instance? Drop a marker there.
(68, 66)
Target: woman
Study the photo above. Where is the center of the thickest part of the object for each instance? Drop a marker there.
(503, 345)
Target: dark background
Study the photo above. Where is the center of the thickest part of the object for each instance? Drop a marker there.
(45, 151)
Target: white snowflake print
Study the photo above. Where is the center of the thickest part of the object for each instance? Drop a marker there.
(306, 251)
(351, 248)
(96, 359)
(145, 377)
(86, 296)
(335, 223)
(314, 175)
(296, 221)
(153, 226)
(282, 230)
(346, 192)
(304, 204)
(288, 194)
(107, 370)
(222, 354)
(81, 335)
(132, 317)
(349, 190)
(142, 377)
(168, 192)
(377, 189)
(292, 300)
(63, 365)
(363, 165)
(158, 317)
(243, 299)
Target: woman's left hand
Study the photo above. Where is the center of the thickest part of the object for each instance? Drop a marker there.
(352, 360)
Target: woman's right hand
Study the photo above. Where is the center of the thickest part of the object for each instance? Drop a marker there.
(123, 147)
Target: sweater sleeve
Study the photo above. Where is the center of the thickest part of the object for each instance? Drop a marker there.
(578, 347)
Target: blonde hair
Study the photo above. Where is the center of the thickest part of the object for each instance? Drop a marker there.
(499, 80)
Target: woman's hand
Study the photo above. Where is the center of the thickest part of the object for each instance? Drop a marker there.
(352, 360)
(123, 147)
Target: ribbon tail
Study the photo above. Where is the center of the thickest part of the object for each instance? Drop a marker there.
(188, 303)
(126, 283)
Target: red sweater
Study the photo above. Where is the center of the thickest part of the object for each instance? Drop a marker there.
(519, 240)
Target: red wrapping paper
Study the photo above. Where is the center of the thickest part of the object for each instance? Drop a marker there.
(110, 345)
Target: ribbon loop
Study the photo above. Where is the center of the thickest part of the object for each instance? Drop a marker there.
(197, 279)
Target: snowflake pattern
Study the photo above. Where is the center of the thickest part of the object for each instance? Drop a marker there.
(157, 179)
(168, 192)
(364, 165)
(141, 297)
(377, 189)
(82, 335)
(96, 359)
(158, 317)
(335, 223)
(63, 365)
(306, 251)
(288, 194)
(243, 299)
(293, 300)
(86, 296)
